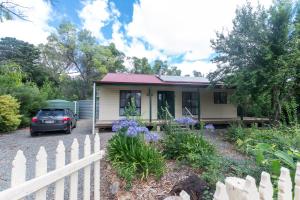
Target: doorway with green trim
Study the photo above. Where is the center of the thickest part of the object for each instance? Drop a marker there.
(165, 99)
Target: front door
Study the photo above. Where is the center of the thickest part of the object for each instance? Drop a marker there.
(165, 99)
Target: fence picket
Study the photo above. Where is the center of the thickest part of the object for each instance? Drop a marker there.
(220, 193)
(234, 187)
(250, 190)
(297, 183)
(60, 162)
(284, 185)
(74, 176)
(87, 170)
(265, 187)
(20, 188)
(97, 168)
(18, 174)
(40, 169)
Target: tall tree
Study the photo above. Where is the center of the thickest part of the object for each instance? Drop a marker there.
(257, 56)
(76, 51)
(26, 56)
(173, 71)
(141, 66)
(197, 74)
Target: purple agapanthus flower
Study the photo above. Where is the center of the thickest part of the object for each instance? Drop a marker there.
(132, 131)
(123, 124)
(152, 137)
(209, 127)
(142, 129)
(186, 121)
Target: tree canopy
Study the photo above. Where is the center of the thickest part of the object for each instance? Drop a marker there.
(260, 56)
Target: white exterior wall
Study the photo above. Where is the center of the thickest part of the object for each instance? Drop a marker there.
(110, 102)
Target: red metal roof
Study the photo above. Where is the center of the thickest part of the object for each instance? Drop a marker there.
(124, 78)
(130, 78)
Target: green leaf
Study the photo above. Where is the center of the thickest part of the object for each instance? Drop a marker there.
(264, 147)
(285, 158)
(259, 156)
(275, 166)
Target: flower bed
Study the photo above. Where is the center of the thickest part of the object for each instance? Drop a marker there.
(150, 165)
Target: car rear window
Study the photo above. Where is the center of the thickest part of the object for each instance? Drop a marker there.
(54, 113)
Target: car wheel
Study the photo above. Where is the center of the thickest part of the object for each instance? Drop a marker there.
(69, 130)
(33, 134)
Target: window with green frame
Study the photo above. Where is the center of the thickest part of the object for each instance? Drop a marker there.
(127, 97)
(190, 101)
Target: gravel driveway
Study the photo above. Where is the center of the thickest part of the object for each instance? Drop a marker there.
(20, 139)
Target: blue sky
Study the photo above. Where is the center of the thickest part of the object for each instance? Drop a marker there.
(178, 31)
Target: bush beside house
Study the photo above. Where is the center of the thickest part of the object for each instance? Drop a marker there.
(9, 113)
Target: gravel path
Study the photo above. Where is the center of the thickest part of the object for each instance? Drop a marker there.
(21, 140)
(225, 148)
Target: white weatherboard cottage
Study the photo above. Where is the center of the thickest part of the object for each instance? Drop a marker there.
(184, 96)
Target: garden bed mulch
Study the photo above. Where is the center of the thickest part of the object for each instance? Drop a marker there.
(145, 190)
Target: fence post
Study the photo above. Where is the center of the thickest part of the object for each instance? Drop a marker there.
(284, 185)
(74, 176)
(40, 169)
(97, 168)
(87, 170)
(265, 187)
(297, 182)
(60, 162)
(221, 193)
(18, 174)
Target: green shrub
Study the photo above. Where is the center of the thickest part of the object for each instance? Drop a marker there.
(9, 113)
(132, 157)
(190, 148)
(235, 132)
(31, 100)
(193, 150)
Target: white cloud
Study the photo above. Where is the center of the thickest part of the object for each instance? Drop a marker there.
(136, 47)
(96, 14)
(179, 26)
(182, 26)
(36, 29)
(187, 67)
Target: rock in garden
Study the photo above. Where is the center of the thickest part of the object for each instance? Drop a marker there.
(173, 198)
(122, 195)
(193, 186)
(114, 188)
(182, 196)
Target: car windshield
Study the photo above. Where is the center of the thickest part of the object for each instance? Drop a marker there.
(53, 113)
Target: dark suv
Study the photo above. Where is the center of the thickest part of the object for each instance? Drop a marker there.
(53, 120)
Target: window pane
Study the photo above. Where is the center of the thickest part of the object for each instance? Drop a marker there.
(220, 97)
(126, 98)
(190, 101)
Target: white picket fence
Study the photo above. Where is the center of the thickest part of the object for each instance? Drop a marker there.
(245, 189)
(20, 188)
